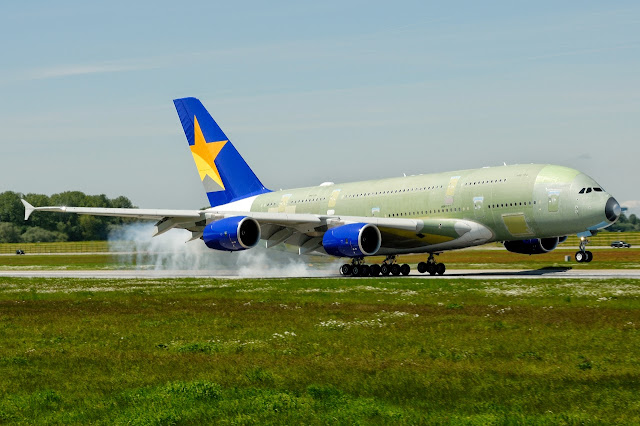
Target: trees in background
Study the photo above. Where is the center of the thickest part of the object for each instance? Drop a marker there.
(624, 224)
(48, 227)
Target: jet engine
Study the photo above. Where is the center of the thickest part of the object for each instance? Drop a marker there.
(232, 234)
(352, 240)
(533, 246)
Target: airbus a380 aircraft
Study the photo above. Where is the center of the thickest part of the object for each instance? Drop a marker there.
(531, 208)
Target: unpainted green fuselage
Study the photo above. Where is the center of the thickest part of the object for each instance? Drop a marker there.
(515, 202)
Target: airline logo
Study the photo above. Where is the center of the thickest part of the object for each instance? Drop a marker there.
(205, 154)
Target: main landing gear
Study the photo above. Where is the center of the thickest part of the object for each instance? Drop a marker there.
(431, 266)
(583, 255)
(389, 266)
(358, 268)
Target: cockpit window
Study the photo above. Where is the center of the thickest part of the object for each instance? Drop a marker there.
(597, 189)
(582, 190)
(588, 190)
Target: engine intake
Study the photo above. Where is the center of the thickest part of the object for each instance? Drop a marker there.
(533, 246)
(232, 234)
(352, 240)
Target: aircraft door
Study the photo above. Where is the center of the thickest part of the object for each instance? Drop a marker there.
(554, 200)
(333, 199)
(478, 207)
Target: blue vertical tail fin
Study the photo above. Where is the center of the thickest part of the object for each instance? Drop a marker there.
(224, 173)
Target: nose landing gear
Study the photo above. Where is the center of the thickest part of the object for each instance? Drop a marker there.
(583, 255)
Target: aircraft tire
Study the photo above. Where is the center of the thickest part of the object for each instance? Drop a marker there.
(365, 271)
(440, 268)
(580, 256)
(589, 256)
(356, 270)
(422, 267)
(345, 269)
(431, 268)
(374, 270)
(384, 269)
(405, 269)
(395, 269)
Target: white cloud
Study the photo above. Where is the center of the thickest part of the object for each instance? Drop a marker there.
(632, 205)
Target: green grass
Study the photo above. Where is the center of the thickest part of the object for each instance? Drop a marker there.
(68, 262)
(317, 351)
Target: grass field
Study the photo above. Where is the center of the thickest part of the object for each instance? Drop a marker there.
(460, 259)
(317, 351)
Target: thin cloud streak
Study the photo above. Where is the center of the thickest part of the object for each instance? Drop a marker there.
(86, 69)
(631, 204)
(584, 52)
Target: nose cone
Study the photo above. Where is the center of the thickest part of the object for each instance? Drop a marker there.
(612, 210)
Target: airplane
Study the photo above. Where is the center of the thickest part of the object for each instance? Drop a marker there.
(530, 208)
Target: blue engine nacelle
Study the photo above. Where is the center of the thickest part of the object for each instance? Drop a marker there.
(533, 246)
(353, 240)
(232, 234)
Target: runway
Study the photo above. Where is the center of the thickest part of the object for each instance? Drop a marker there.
(450, 274)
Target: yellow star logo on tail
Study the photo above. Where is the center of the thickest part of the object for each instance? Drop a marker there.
(205, 153)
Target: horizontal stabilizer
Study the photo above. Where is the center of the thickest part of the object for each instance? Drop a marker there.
(28, 209)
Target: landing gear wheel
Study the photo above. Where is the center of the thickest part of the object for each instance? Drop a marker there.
(405, 269)
(395, 269)
(440, 268)
(356, 270)
(580, 256)
(345, 269)
(374, 270)
(589, 256)
(365, 271)
(431, 268)
(422, 267)
(384, 269)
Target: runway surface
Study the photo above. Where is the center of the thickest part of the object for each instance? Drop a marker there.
(454, 273)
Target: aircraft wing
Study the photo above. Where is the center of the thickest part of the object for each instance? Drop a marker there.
(302, 230)
(167, 219)
(150, 214)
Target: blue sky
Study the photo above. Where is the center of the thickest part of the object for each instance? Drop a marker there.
(315, 91)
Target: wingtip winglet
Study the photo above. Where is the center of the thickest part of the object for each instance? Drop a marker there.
(28, 209)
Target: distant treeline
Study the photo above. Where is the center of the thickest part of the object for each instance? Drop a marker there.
(50, 227)
(624, 224)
